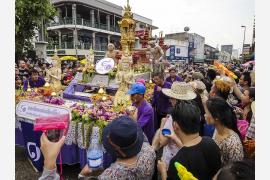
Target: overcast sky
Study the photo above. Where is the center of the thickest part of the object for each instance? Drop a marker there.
(219, 21)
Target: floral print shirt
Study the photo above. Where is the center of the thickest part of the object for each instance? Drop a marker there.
(143, 169)
(231, 148)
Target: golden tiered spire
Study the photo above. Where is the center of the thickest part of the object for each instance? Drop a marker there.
(127, 29)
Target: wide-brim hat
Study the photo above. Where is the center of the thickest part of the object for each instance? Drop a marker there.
(123, 137)
(180, 90)
(197, 84)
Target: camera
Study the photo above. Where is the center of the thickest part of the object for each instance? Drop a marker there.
(53, 126)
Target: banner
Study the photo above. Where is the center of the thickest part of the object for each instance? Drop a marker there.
(32, 145)
(32, 110)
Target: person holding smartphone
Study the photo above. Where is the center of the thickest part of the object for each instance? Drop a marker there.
(50, 151)
(166, 136)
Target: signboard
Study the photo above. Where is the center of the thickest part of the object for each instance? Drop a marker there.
(177, 53)
(246, 49)
(104, 65)
(32, 110)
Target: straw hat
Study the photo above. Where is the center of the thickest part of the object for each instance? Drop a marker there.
(180, 90)
(197, 84)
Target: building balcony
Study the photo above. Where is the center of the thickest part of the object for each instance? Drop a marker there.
(83, 23)
(82, 46)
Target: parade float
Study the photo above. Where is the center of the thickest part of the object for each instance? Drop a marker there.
(96, 96)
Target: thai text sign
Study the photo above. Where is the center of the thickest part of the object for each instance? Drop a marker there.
(32, 110)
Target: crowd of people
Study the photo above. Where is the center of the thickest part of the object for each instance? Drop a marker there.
(211, 118)
(28, 71)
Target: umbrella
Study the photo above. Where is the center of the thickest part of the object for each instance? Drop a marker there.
(84, 61)
(68, 58)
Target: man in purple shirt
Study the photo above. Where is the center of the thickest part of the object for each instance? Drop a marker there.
(173, 77)
(35, 81)
(145, 113)
(160, 102)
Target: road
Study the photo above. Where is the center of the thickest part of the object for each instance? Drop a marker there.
(24, 170)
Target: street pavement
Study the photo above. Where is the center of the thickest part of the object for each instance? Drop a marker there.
(25, 171)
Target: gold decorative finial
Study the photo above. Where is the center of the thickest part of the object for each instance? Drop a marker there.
(101, 90)
(127, 28)
(55, 50)
(55, 56)
(28, 89)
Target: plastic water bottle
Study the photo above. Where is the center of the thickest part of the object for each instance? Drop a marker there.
(95, 152)
(168, 127)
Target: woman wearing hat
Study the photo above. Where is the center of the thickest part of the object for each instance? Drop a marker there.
(171, 144)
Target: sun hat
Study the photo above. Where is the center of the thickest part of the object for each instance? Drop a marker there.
(197, 84)
(180, 90)
(123, 137)
(137, 88)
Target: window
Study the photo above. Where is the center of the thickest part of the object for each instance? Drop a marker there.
(178, 50)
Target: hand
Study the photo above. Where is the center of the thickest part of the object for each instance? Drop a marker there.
(86, 171)
(159, 88)
(163, 121)
(238, 110)
(162, 167)
(172, 136)
(50, 151)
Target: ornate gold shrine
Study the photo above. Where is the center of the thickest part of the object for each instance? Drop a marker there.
(127, 29)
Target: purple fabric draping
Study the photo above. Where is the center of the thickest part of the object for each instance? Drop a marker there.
(69, 92)
(18, 137)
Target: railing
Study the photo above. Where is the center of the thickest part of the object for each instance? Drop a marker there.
(84, 22)
(87, 45)
(70, 45)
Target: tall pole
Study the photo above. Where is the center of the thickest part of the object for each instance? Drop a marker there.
(243, 41)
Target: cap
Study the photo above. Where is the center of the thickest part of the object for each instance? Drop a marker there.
(137, 89)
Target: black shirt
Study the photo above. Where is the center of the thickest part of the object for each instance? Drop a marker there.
(23, 73)
(202, 160)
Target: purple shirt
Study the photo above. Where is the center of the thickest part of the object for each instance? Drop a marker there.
(39, 83)
(160, 100)
(177, 78)
(145, 119)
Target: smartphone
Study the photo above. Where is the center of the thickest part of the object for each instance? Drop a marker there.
(54, 135)
(166, 132)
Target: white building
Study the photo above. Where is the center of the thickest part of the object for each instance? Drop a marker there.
(235, 54)
(88, 23)
(195, 44)
(224, 56)
(178, 49)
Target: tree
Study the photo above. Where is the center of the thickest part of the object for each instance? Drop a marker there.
(30, 15)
